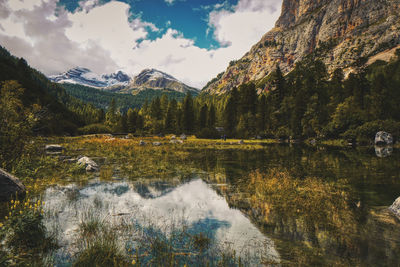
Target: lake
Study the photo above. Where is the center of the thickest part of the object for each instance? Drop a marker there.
(278, 205)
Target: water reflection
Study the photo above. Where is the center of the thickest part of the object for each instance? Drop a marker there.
(160, 206)
(383, 151)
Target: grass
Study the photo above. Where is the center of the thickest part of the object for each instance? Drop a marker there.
(24, 240)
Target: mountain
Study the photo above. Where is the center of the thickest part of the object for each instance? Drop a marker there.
(158, 80)
(84, 76)
(341, 33)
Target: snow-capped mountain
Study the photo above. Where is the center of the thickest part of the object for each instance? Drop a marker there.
(158, 80)
(84, 76)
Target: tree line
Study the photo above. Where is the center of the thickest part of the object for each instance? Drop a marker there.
(306, 103)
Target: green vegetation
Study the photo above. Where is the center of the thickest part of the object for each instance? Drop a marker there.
(102, 99)
(25, 240)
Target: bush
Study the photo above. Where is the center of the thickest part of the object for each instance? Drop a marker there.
(365, 133)
(96, 128)
(209, 133)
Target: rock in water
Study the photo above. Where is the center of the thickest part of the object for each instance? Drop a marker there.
(89, 164)
(383, 138)
(183, 137)
(241, 142)
(10, 186)
(395, 208)
(383, 151)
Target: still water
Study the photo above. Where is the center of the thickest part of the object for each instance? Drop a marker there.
(341, 220)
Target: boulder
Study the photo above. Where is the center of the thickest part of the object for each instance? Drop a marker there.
(54, 148)
(183, 137)
(176, 142)
(383, 138)
(173, 137)
(156, 144)
(10, 186)
(395, 207)
(142, 143)
(89, 164)
(313, 142)
(241, 142)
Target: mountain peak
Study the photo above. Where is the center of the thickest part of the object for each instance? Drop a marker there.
(158, 80)
(85, 76)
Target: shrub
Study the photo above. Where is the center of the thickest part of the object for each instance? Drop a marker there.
(94, 128)
(365, 133)
(209, 133)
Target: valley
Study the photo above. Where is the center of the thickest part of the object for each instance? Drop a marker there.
(288, 157)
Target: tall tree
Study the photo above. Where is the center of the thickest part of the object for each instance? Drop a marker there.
(211, 117)
(188, 115)
(170, 123)
(203, 115)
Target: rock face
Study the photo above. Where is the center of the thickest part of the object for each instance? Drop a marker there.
(383, 138)
(158, 80)
(395, 208)
(89, 164)
(339, 32)
(9, 186)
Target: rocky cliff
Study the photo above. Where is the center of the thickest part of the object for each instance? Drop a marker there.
(339, 32)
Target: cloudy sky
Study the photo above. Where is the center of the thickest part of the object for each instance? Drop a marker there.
(192, 40)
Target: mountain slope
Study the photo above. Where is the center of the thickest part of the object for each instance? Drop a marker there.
(84, 76)
(342, 33)
(158, 80)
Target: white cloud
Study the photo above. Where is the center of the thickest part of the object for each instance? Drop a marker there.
(245, 25)
(104, 39)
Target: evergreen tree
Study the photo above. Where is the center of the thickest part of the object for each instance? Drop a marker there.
(230, 116)
(155, 109)
(132, 120)
(202, 121)
(170, 123)
(211, 117)
(112, 116)
(261, 114)
(188, 115)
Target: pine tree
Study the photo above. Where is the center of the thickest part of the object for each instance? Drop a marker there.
(211, 117)
(261, 114)
(170, 123)
(230, 120)
(188, 115)
(203, 115)
(132, 120)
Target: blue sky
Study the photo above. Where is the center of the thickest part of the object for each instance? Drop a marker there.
(192, 40)
(189, 17)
